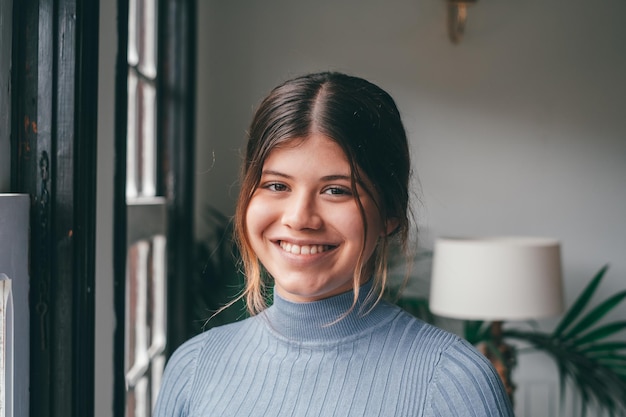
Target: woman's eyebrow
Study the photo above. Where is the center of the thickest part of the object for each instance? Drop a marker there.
(276, 173)
(336, 177)
(333, 177)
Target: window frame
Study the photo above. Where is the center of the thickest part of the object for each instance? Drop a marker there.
(175, 134)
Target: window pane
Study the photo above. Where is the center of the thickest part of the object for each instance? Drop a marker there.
(145, 324)
(132, 176)
(148, 139)
(133, 53)
(142, 36)
(146, 310)
(141, 152)
(147, 57)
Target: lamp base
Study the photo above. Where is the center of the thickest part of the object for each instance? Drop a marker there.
(502, 356)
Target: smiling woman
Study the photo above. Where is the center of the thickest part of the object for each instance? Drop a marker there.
(324, 190)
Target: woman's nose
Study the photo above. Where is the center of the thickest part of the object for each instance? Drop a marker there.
(301, 212)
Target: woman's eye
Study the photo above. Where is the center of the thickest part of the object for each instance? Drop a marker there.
(276, 186)
(337, 191)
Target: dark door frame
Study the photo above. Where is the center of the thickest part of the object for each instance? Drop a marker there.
(54, 115)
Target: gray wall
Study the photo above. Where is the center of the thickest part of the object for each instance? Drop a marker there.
(105, 317)
(520, 129)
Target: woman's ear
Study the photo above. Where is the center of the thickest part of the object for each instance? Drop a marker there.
(391, 225)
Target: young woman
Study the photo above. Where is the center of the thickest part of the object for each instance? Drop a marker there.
(325, 188)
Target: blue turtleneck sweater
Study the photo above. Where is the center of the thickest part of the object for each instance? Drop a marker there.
(291, 361)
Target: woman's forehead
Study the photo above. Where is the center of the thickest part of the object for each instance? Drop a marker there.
(315, 151)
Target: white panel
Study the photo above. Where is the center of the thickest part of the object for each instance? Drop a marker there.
(6, 347)
(14, 250)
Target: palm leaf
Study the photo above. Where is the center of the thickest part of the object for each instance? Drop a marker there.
(604, 347)
(580, 303)
(595, 315)
(612, 360)
(600, 333)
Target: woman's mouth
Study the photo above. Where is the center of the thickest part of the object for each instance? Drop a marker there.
(304, 249)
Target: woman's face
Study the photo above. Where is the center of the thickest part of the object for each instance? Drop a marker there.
(304, 224)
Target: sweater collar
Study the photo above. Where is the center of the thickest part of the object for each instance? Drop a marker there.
(322, 321)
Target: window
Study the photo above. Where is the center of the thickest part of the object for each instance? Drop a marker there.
(153, 190)
(145, 311)
(142, 72)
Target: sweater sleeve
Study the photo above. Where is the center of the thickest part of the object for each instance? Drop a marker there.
(173, 398)
(465, 384)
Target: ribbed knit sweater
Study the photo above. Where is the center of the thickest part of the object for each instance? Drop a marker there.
(291, 361)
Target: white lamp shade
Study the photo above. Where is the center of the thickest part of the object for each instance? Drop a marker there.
(505, 278)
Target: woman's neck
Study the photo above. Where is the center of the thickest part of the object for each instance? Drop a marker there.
(331, 319)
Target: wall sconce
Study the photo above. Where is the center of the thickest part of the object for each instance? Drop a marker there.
(457, 16)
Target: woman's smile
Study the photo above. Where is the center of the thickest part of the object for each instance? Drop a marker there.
(304, 249)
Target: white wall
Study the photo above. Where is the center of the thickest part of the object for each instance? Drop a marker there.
(520, 129)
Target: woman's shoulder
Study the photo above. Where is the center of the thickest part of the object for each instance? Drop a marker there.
(425, 339)
(465, 380)
(181, 373)
(182, 367)
(219, 334)
(459, 376)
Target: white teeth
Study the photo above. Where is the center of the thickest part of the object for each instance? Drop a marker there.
(303, 249)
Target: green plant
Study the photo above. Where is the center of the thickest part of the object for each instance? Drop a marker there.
(585, 351)
(217, 278)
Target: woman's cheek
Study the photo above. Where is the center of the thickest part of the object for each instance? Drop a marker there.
(258, 214)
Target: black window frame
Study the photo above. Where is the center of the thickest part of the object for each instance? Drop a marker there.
(175, 131)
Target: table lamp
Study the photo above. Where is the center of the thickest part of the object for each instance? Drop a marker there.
(497, 279)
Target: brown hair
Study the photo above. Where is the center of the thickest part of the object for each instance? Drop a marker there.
(364, 121)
